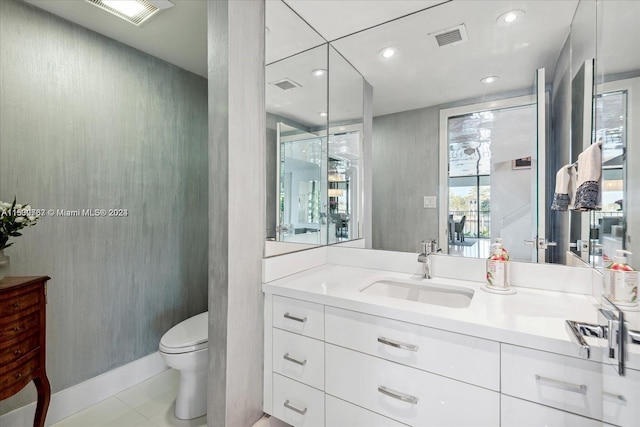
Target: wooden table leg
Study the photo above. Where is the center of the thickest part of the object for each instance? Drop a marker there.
(44, 396)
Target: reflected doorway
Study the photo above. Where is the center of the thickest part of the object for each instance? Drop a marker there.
(489, 179)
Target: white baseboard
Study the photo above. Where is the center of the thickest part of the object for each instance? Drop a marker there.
(80, 396)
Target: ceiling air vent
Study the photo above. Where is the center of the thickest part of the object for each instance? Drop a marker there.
(286, 84)
(450, 36)
(135, 12)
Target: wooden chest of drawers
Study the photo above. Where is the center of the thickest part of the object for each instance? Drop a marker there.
(22, 339)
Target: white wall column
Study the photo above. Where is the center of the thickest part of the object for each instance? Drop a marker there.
(236, 210)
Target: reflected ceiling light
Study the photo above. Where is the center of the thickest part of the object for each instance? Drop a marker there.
(335, 192)
(388, 52)
(322, 114)
(318, 72)
(336, 177)
(489, 79)
(510, 18)
(133, 11)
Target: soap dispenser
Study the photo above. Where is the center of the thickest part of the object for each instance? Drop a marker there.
(621, 281)
(498, 267)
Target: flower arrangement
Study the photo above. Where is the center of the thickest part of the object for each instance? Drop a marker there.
(13, 218)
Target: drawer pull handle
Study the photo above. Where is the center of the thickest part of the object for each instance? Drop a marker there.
(17, 352)
(615, 396)
(290, 358)
(297, 319)
(563, 385)
(397, 395)
(18, 375)
(16, 305)
(16, 328)
(397, 344)
(288, 405)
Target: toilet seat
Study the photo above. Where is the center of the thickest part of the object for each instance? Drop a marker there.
(187, 336)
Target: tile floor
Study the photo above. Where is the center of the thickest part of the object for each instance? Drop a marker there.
(481, 248)
(148, 404)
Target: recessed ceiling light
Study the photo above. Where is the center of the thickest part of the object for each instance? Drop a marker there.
(133, 11)
(322, 114)
(510, 18)
(489, 79)
(388, 52)
(318, 72)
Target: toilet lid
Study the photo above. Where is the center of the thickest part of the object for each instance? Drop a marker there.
(188, 335)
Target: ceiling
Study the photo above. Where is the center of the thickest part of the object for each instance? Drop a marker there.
(421, 74)
(177, 35)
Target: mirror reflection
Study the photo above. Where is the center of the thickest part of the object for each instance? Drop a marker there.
(458, 97)
(441, 71)
(617, 127)
(314, 101)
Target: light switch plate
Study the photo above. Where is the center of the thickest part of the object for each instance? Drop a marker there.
(429, 202)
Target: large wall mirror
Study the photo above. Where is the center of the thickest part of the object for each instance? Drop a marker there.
(617, 127)
(314, 103)
(475, 110)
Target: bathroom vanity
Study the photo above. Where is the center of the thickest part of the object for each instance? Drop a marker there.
(350, 346)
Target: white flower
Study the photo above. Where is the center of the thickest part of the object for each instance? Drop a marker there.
(19, 220)
(31, 218)
(18, 206)
(27, 208)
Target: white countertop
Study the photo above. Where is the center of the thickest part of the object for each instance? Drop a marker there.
(530, 318)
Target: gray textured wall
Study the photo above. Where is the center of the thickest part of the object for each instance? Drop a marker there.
(86, 122)
(405, 169)
(237, 154)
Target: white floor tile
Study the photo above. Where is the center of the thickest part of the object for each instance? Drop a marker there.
(157, 404)
(98, 415)
(148, 404)
(168, 419)
(131, 419)
(148, 390)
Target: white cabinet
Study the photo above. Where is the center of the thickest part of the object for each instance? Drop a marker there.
(297, 404)
(344, 414)
(302, 317)
(462, 357)
(577, 386)
(562, 382)
(520, 413)
(621, 397)
(406, 394)
(331, 367)
(298, 357)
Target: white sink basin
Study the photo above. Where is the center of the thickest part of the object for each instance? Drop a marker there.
(437, 294)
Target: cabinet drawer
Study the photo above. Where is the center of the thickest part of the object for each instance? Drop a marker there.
(10, 331)
(462, 357)
(405, 394)
(297, 404)
(301, 317)
(298, 357)
(17, 374)
(621, 397)
(339, 413)
(16, 303)
(520, 413)
(15, 351)
(567, 383)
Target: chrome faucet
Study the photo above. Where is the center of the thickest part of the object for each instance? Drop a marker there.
(427, 248)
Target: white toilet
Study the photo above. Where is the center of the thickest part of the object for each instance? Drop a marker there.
(185, 347)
